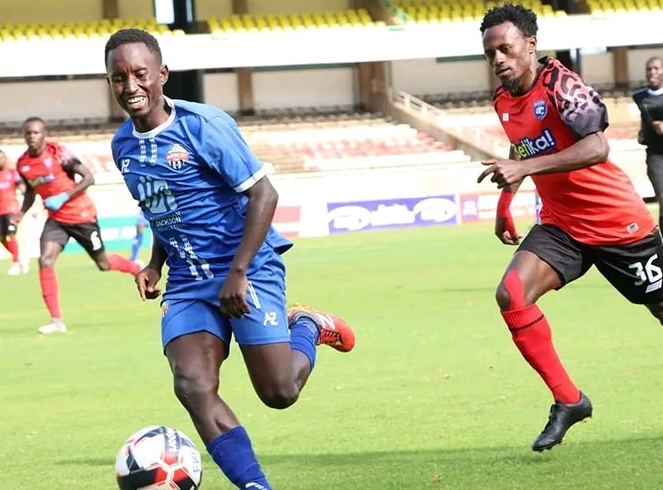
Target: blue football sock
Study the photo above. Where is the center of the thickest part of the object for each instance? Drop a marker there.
(233, 453)
(135, 246)
(304, 335)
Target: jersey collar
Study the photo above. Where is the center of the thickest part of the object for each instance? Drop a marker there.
(153, 132)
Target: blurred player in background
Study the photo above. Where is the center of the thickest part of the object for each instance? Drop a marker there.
(141, 224)
(210, 207)
(591, 213)
(649, 100)
(50, 171)
(10, 184)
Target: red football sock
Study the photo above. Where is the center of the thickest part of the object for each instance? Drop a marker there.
(122, 264)
(12, 247)
(531, 334)
(50, 291)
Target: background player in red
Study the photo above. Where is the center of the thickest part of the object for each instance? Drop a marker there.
(50, 171)
(591, 213)
(10, 183)
(649, 100)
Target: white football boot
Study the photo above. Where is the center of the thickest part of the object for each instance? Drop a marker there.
(55, 326)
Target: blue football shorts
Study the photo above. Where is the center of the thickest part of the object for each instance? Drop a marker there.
(266, 323)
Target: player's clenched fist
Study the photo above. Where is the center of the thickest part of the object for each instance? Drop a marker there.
(146, 282)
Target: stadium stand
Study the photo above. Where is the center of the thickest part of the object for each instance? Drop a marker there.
(289, 144)
(437, 11)
(246, 23)
(54, 31)
(338, 142)
(607, 8)
(306, 140)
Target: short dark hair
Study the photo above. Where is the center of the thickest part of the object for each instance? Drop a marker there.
(520, 16)
(34, 119)
(131, 36)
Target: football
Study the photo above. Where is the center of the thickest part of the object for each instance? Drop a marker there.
(158, 457)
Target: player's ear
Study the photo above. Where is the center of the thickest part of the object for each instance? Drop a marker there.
(531, 44)
(163, 74)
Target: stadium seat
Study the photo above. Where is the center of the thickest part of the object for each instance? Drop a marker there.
(348, 142)
(346, 19)
(78, 30)
(440, 11)
(608, 8)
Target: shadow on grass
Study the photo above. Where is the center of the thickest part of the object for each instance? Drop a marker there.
(629, 464)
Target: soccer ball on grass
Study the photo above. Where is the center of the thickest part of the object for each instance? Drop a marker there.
(158, 458)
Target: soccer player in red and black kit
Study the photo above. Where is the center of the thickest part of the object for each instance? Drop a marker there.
(50, 170)
(10, 182)
(649, 100)
(591, 213)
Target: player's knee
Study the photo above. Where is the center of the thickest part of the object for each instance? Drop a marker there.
(102, 263)
(46, 262)
(510, 293)
(279, 395)
(193, 389)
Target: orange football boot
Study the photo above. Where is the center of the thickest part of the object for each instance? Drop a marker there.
(334, 331)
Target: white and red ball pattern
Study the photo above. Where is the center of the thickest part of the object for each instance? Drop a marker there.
(158, 458)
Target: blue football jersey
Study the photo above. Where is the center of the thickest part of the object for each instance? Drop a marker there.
(188, 176)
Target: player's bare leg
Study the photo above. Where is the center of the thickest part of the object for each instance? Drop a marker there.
(277, 372)
(11, 245)
(115, 262)
(195, 360)
(526, 279)
(48, 255)
(656, 309)
(136, 243)
(280, 371)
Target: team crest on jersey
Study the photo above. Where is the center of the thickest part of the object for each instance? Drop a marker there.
(176, 156)
(540, 109)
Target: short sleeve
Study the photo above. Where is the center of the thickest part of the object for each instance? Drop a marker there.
(223, 148)
(580, 107)
(65, 156)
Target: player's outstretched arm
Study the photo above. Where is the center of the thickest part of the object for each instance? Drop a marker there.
(87, 179)
(585, 152)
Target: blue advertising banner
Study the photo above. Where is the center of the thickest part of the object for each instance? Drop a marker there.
(388, 214)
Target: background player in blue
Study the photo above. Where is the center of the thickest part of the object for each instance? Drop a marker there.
(210, 207)
(141, 224)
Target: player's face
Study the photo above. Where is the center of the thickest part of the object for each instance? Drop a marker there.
(35, 137)
(136, 78)
(510, 53)
(654, 73)
(3, 160)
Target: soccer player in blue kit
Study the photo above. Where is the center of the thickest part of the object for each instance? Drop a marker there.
(210, 206)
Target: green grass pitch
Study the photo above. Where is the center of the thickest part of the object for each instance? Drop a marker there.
(434, 396)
